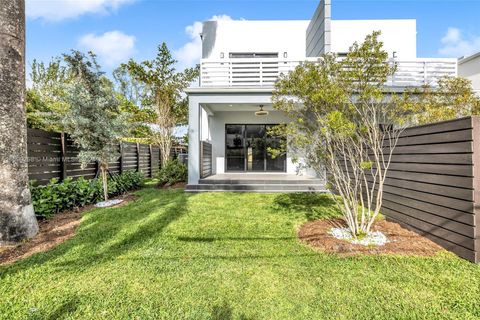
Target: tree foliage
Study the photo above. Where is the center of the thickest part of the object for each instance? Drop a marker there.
(344, 120)
(131, 93)
(452, 98)
(162, 88)
(45, 99)
(46, 103)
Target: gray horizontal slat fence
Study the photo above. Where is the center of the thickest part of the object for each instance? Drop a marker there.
(205, 159)
(55, 155)
(44, 155)
(433, 184)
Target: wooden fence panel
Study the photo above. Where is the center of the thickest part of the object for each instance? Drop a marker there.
(55, 155)
(431, 185)
(44, 155)
(155, 160)
(130, 152)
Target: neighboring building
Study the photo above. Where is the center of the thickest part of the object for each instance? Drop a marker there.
(240, 63)
(469, 67)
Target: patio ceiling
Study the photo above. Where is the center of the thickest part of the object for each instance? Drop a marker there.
(216, 107)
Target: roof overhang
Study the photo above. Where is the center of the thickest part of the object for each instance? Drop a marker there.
(267, 90)
(228, 90)
(463, 60)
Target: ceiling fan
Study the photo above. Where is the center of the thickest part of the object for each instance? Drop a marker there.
(261, 112)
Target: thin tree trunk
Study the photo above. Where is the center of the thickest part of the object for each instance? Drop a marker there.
(104, 169)
(165, 148)
(17, 218)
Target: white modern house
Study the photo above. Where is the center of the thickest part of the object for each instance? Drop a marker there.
(231, 110)
(469, 68)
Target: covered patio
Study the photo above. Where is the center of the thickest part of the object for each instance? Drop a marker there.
(228, 139)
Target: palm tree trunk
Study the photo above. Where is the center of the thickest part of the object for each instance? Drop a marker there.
(17, 218)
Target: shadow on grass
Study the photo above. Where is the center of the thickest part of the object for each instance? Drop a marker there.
(225, 312)
(106, 234)
(315, 206)
(69, 306)
(212, 239)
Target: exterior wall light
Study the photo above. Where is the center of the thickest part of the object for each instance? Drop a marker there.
(222, 55)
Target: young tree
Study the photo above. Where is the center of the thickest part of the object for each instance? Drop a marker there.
(93, 120)
(163, 92)
(347, 122)
(17, 218)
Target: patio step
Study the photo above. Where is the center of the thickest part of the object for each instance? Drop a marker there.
(261, 181)
(256, 187)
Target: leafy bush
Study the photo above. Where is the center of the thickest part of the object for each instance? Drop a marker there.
(174, 171)
(59, 196)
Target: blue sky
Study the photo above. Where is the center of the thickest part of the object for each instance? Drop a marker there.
(119, 29)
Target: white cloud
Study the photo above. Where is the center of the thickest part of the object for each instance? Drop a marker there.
(111, 47)
(191, 52)
(56, 10)
(454, 44)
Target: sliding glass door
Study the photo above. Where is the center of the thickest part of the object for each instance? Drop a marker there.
(247, 148)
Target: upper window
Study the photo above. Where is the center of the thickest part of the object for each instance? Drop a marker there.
(253, 54)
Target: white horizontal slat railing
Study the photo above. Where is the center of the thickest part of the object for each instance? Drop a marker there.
(264, 72)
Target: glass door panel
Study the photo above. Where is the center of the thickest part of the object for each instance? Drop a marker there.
(277, 159)
(255, 139)
(235, 147)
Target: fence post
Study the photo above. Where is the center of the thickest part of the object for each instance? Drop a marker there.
(151, 160)
(63, 154)
(475, 124)
(138, 157)
(121, 157)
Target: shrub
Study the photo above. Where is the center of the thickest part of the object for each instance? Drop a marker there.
(174, 171)
(59, 196)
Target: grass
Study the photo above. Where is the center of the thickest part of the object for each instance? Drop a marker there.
(172, 255)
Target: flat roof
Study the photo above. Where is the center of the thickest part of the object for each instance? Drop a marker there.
(468, 58)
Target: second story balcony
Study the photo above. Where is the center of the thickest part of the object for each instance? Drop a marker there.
(246, 73)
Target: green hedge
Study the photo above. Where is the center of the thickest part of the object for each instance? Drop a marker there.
(59, 196)
(174, 171)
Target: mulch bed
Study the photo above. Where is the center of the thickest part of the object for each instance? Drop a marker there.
(401, 240)
(52, 232)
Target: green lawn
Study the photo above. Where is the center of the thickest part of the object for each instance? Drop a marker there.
(173, 255)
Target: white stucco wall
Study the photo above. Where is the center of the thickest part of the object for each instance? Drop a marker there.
(255, 36)
(399, 36)
(291, 36)
(204, 125)
(469, 68)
